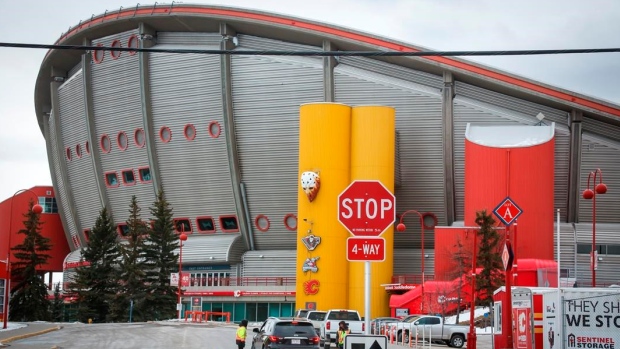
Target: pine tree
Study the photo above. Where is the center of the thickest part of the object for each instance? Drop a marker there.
(489, 259)
(95, 281)
(132, 276)
(56, 309)
(161, 260)
(29, 295)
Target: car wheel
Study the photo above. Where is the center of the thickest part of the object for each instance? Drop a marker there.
(457, 341)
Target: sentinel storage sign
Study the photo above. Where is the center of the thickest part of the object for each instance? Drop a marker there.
(592, 319)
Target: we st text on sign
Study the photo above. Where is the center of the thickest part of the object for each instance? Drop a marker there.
(366, 249)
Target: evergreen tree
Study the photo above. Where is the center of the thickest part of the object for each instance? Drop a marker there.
(489, 259)
(57, 305)
(95, 281)
(132, 277)
(29, 295)
(161, 260)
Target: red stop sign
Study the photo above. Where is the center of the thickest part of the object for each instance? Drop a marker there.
(366, 208)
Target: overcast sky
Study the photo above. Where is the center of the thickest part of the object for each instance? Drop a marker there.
(436, 24)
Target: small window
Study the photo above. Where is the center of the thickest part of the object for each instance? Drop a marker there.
(68, 154)
(114, 53)
(182, 225)
(290, 221)
(613, 249)
(105, 143)
(205, 224)
(262, 222)
(190, 132)
(122, 229)
(87, 234)
(145, 174)
(587, 249)
(128, 177)
(138, 137)
(111, 180)
(78, 151)
(87, 147)
(165, 134)
(132, 42)
(214, 129)
(121, 140)
(229, 224)
(98, 55)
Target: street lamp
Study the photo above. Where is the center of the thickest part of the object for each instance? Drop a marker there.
(588, 194)
(401, 227)
(37, 209)
(471, 336)
(182, 238)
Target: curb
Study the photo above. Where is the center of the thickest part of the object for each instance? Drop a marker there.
(28, 335)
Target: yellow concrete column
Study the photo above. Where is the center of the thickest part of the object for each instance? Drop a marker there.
(325, 149)
(372, 158)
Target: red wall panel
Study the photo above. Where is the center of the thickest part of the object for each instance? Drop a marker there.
(524, 174)
(446, 245)
(51, 227)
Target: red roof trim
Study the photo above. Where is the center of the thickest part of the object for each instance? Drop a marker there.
(345, 34)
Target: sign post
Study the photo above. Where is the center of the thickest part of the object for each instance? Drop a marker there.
(366, 209)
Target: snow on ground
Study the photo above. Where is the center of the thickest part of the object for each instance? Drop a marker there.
(464, 316)
(12, 326)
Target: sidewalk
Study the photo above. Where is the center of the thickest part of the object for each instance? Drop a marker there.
(31, 329)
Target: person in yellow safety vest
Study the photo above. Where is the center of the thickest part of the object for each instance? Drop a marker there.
(343, 331)
(241, 333)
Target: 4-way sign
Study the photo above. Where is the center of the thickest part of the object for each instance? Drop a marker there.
(362, 249)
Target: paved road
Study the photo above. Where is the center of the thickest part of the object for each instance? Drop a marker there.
(153, 336)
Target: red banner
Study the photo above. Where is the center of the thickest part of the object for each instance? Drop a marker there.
(239, 293)
(523, 330)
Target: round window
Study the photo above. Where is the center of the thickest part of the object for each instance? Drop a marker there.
(290, 221)
(190, 132)
(87, 146)
(132, 42)
(262, 222)
(165, 134)
(78, 151)
(98, 55)
(105, 143)
(214, 129)
(122, 140)
(113, 53)
(69, 154)
(138, 137)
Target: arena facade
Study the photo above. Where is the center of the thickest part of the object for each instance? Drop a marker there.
(219, 133)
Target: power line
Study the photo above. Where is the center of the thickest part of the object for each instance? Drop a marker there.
(315, 53)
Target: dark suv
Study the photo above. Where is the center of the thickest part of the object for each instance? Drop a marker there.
(284, 333)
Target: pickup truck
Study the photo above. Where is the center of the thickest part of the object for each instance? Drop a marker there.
(431, 328)
(316, 317)
(329, 327)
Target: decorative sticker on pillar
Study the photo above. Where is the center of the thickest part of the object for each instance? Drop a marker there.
(311, 287)
(310, 183)
(310, 265)
(311, 241)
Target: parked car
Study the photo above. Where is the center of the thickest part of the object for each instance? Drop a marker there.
(432, 328)
(329, 327)
(316, 317)
(279, 333)
(302, 312)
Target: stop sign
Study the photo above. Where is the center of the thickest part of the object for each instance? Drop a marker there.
(366, 208)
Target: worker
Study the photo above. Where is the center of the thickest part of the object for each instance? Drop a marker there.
(241, 333)
(343, 331)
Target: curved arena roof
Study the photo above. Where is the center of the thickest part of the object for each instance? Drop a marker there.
(220, 133)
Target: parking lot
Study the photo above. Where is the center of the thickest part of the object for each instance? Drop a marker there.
(160, 335)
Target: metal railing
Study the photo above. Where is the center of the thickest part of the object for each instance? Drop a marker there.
(411, 278)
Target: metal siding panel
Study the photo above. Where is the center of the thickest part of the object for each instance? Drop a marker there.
(607, 271)
(409, 261)
(61, 193)
(117, 107)
(74, 70)
(420, 142)
(567, 247)
(272, 263)
(467, 110)
(186, 89)
(599, 152)
(79, 170)
(601, 128)
(267, 93)
(188, 38)
(200, 248)
(250, 42)
(394, 71)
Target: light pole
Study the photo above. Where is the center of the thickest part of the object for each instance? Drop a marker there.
(182, 238)
(600, 188)
(37, 209)
(401, 227)
(471, 336)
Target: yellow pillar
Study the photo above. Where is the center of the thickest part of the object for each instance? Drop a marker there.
(372, 158)
(324, 148)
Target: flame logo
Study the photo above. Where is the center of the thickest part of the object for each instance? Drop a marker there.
(311, 287)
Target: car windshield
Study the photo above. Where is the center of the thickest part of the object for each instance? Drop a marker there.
(290, 329)
(302, 313)
(316, 316)
(344, 315)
